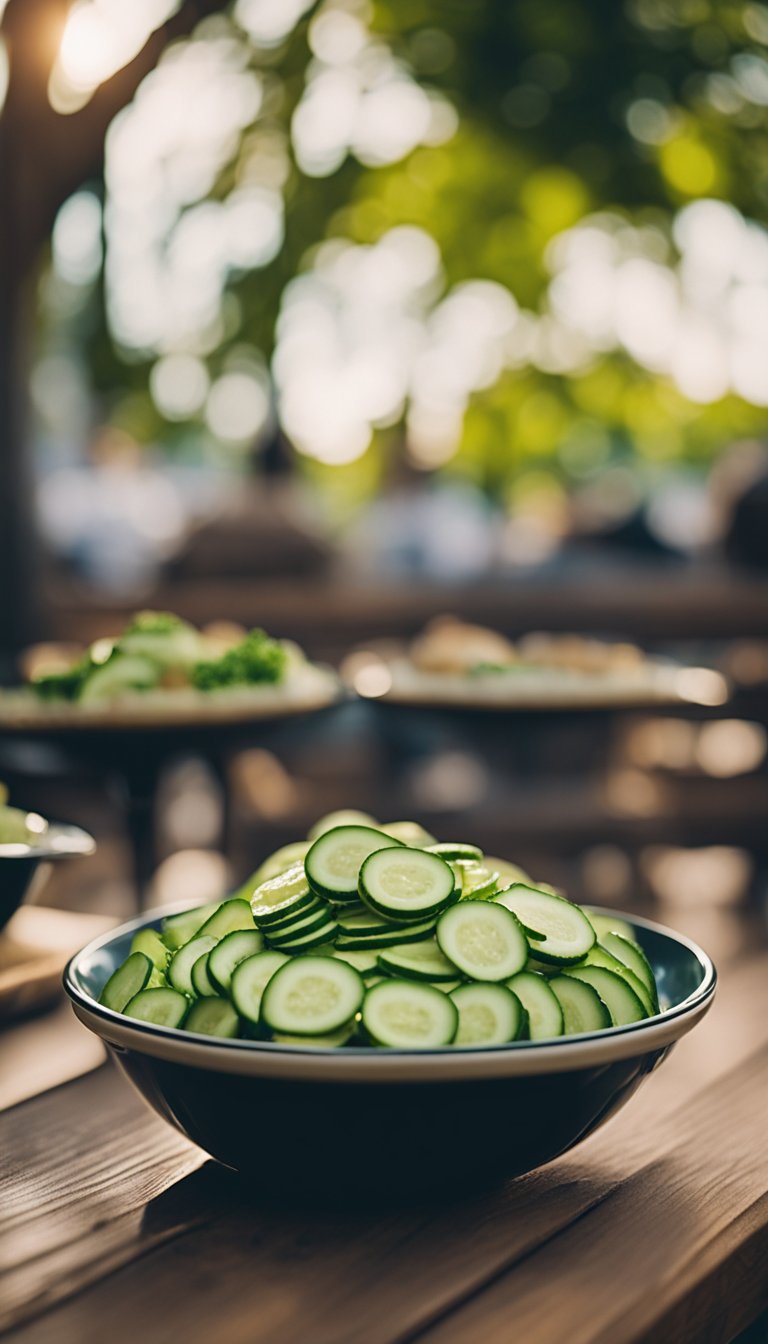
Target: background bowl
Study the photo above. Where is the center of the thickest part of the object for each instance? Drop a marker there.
(21, 861)
(358, 1121)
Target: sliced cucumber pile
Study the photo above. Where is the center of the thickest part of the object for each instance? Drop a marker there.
(380, 935)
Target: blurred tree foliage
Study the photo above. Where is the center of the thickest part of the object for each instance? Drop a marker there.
(566, 108)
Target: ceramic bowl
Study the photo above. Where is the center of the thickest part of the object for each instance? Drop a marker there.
(311, 1121)
(21, 862)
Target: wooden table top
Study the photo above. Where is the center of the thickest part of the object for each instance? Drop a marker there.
(112, 1227)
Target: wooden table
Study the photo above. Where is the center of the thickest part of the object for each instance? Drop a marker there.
(113, 1228)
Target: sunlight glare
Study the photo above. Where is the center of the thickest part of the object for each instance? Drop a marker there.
(99, 38)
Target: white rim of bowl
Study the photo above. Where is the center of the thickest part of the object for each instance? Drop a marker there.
(266, 1059)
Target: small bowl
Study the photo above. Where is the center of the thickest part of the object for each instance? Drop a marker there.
(309, 1121)
(20, 861)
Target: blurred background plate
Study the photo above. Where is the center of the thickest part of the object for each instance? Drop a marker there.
(653, 683)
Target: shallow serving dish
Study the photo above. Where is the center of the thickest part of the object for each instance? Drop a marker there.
(20, 861)
(310, 1120)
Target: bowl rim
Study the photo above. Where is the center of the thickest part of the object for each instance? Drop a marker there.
(373, 1064)
(60, 840)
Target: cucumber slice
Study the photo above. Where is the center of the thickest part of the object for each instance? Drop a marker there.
(633, 957)
(418, 961)
(545, 968)
(545, 1016)
(181, 963)
(406, 884)
(213, 1017)
(333, 863)
(201, 979)
(309, 941)
(509, 873)
(312, 996)
(281, 896)
(609, 924)
(365, 963)
(488, 1015)
(365, 923)
(407, 1015)
(371, 942)
(483, 940)
(226, 955)
(162, 1007)
(617, 994)
(458, 877)
(230, 916)
(583, 1009)
(277, 863)
(563, 933)
(178, 929)
(409, 833)
(316, 917)
(456, 850)
(344, 817)
(124, 983)
(598, 956)
(249, 980)
(479, 882)
(151, 944)
(297, 915)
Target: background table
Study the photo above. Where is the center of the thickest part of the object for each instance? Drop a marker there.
(656, 1229)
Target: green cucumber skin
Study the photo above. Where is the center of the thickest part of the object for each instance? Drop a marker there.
(528, 982)
(151, 944)
(349, 982)
(176, 930)
(483, 910)
(181, 964)
(266, 919)
(414, 935)
(309, 942)
(201, 980)
(232, 916)
(465, 993)
(602, 1016)
(203, 1011)
(250, 1014)
(457, 852)
(313, 858)
(636, 960)
(419, 916)
(540, 953)
(221, 974)
(375, 1037)
(137, 970)
(181, 1001)
(630, 1008)
(443, 871)
(289, 933)
(599, 956)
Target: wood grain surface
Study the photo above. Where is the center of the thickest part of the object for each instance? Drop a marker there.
(113, 1228)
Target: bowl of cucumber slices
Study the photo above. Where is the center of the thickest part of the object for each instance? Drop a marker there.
(402, 1012)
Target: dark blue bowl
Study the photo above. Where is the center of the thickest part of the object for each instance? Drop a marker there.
(320, 1122)
(20, 862)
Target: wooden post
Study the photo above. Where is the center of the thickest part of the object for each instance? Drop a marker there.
(44, 157)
